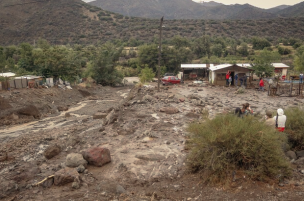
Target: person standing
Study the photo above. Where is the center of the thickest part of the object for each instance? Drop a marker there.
(230, 80)
(301, 78)
(261, 84)
(227, 78)
(280, 120)
(236, 77)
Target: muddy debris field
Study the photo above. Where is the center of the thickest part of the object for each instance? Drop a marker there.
(119, 143)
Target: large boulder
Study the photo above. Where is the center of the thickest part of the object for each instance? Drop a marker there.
(30, 110)
(291, 155)
(169, 110)
(66, 175)
(51, 151)
(74, 160)
(97, 156)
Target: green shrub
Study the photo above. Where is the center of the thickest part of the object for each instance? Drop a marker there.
(146, 74)
(228, 144)
(294, 127)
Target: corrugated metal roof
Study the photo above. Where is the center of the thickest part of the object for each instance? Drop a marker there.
(280, 65)
(7, 74)
(195, 66)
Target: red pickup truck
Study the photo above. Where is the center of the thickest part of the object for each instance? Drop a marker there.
(170, 80)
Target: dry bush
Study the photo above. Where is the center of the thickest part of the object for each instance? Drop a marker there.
(228, 144)
(294, 127)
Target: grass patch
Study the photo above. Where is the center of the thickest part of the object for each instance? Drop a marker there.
(294, 127)
(228, 144)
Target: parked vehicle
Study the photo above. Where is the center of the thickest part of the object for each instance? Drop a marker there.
(170, 80)
(169, 74)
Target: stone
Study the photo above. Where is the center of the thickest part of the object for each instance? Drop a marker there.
(150, 157)
(167, 142)
(99, 115)
(291, 155)
(110, 118)
(300, 154)
(147, 98)
(30, 110)
(97, 156)
(67, 115)
(75, 185)
(120, 189)
(194, 96)
(182, 100)
(62, 108)
(66, 175)
(75, 160)
(80, 169)
(51, 151)
(300, 161)
(169, 110)
(48, 183)
(14, 117)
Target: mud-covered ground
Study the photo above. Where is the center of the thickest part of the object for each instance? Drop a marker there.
(146, 145)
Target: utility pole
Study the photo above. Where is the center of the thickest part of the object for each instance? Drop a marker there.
(159, 50)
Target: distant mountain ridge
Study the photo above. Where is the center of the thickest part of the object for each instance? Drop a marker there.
(188, 9)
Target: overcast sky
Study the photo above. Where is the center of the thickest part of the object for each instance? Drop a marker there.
(257, 3)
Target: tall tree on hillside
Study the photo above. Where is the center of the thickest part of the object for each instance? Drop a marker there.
(201, 46)
(262, 64)
(103, 67)
(2, 60)
(260, 43)
(243, 50)
(299, 59)
(148, 54)
(179, 42)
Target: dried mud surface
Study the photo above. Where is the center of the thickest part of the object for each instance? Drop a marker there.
(146, 145)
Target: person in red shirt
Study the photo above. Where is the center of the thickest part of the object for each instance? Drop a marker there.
(261, 84)
(227, 78)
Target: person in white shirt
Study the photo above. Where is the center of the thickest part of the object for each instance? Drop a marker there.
(280, 120)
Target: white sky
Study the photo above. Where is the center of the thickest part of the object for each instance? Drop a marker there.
(257, 3)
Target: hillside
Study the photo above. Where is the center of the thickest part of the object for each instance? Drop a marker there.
(293, 11)
(182, 9)
(277, 8)
(73, 21)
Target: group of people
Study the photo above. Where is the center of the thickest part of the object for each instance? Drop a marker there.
(243, 79)
(277, 121)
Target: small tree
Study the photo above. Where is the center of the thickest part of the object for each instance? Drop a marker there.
(146, 74)
(243, 50)
(299, 59)
(262, 64)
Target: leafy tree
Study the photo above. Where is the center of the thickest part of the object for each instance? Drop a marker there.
(102, 68)
(283, 50)
(299, 59)
(179, 42)
(217, 50)
(148, 54)
(2, 60)
(243, 50)
(260, 43)
(26, 58)
(201, 46)
(262, 64)
(146, 74)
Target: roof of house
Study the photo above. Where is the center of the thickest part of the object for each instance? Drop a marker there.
(195, 66)
(280, 65)
(222, 66)
(7, 74)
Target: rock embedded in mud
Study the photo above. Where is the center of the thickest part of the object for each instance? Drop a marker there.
(80, 169)
(169, 110)
(51, 151)
(30, 110)
(120, 189)
(99, 115)
(97, 156)
(3, 156)
(75, 160)
(62, 108)
(66, 175)
(75, 185)
(291, 155)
